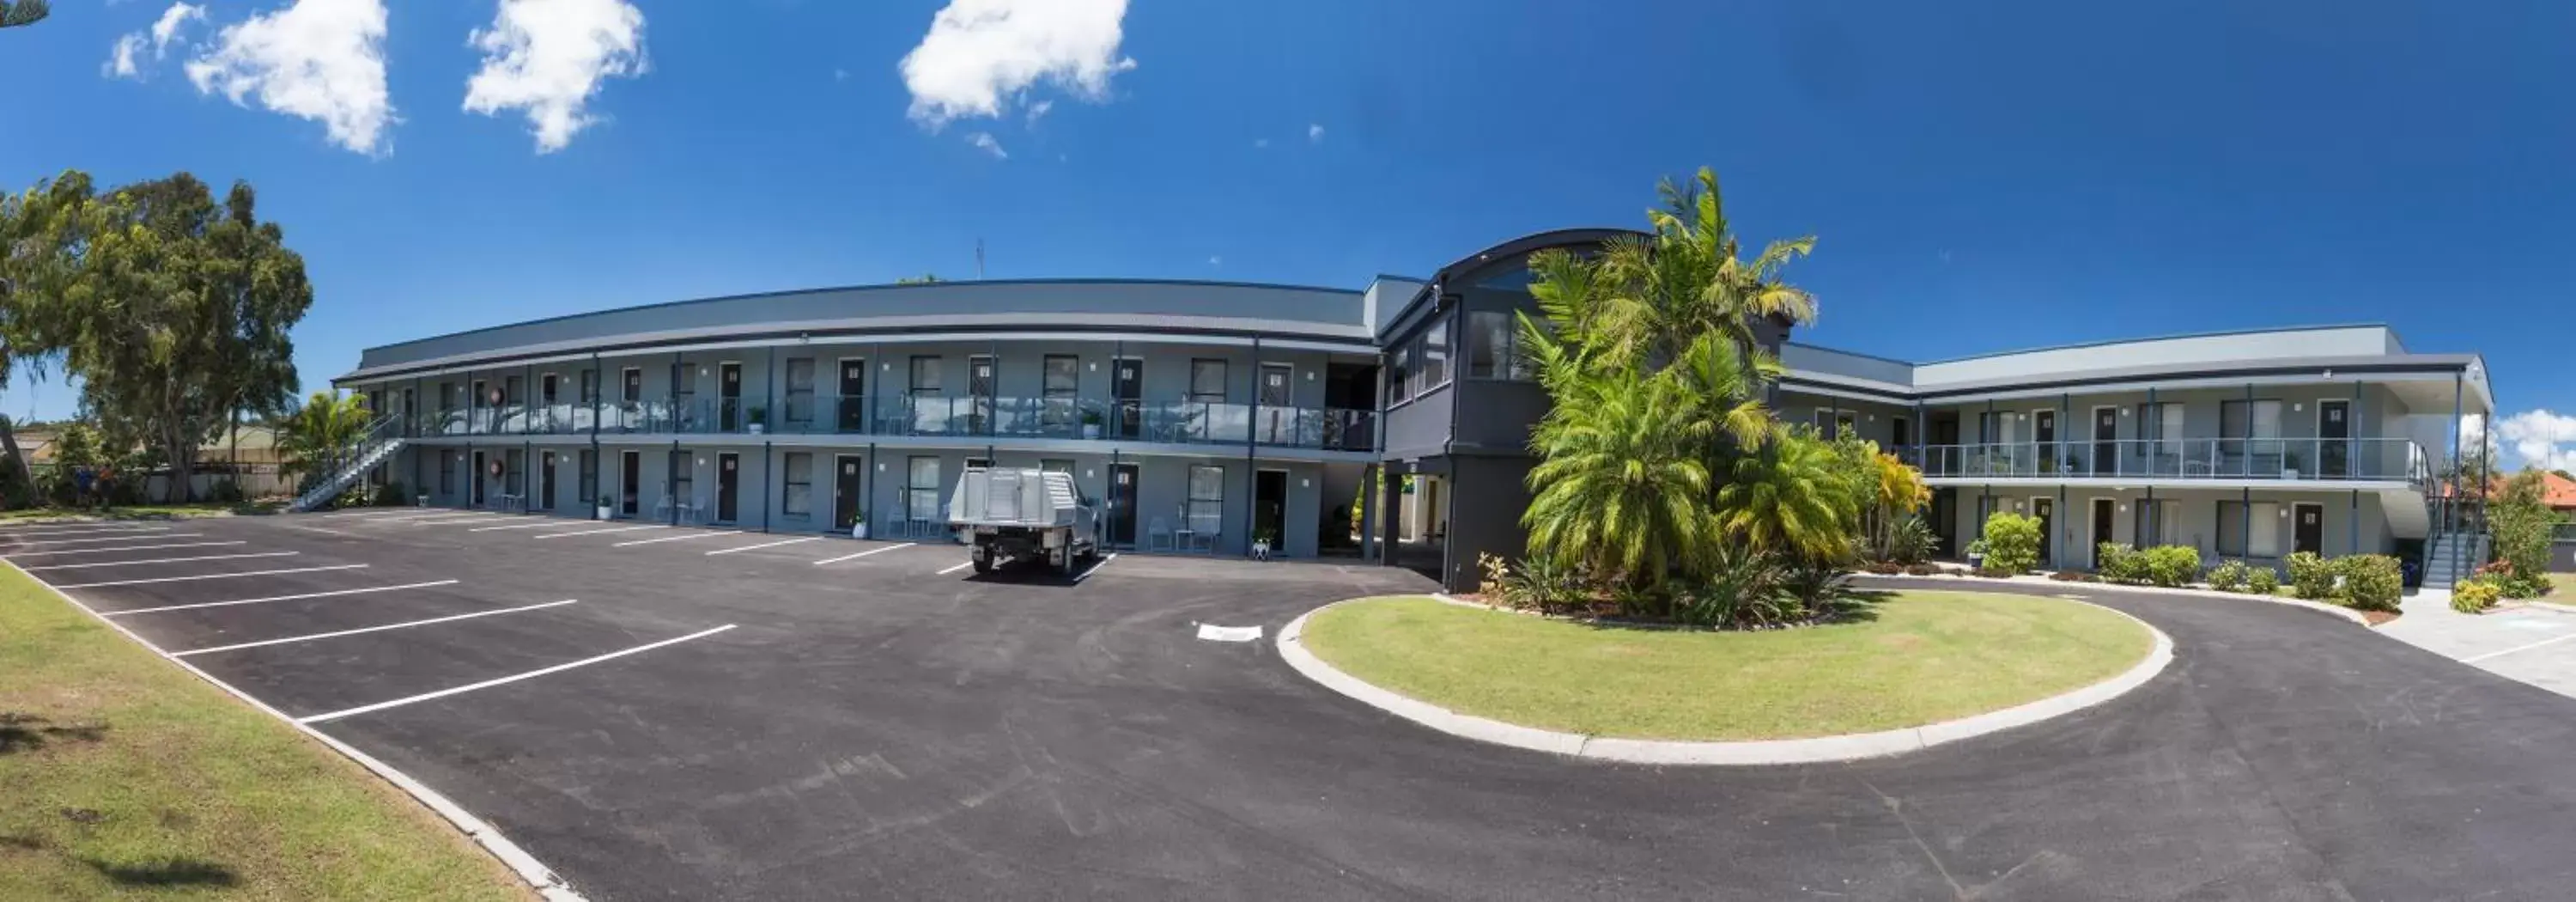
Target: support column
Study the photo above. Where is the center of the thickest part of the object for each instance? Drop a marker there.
(768, 468)
(671, 464)
(868, 493)
(2246, 507)
(598, 461)
(2458, 496)
(1251, 447)
(2153, 518)
(1368, 511)
(2352, 525)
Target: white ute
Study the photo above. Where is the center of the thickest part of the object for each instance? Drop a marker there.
(1010, 513)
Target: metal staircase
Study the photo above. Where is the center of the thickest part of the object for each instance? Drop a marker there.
(2452, 557)
(372, 447)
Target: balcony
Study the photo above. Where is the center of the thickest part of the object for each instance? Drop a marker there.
(2215, 459)
(1186, 423)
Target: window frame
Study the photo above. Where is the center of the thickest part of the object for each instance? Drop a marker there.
(1223, 375)
(789, 486)
(787, 377)
(1191, 499)
(913, 490)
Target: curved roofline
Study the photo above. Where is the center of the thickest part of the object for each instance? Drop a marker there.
(2220, 333)
(1531, 242)
(871, 287)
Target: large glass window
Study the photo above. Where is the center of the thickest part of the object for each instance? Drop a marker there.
(589, 477)
(1206, 510)
(798, 500)
(1493, 346)
(1062, 379)
(925, 377)
(1435, 355)
(921, 488)
(1207, 381)
(1399, 362)
(800, 390)
(2233, 540)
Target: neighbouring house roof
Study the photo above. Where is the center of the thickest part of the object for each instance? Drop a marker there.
(2558, 492)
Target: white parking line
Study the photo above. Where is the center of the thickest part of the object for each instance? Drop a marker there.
(378, 512)
(1095, 568)
(164, 560)
(539, 523)
(683, 537)
(2518, 648)
(86, 531)
(372, 629)
(593, 532)
(487, 684)
(448, 518)
(124, 538)
(178, 579)
(955, 569)
(335, 593)
(836, 560)
(124, 548)
(764, 545)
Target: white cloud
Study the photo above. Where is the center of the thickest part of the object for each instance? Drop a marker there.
(548, 57)
(981, 55)
(985, 141)
(316, 59)
(1038, 109)
(1314, 134)
(1216, 261)
(2539, 437)
(123, 61)
(1260, 143)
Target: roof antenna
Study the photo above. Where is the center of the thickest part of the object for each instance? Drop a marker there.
(979, 259)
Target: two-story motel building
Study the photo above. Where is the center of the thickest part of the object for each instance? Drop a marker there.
(1202, 415)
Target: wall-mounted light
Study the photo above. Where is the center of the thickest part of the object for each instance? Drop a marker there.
(1304, 483)
(880, 466)
(1095, 366)
(1090, 474)
(702, 461)
(1310, 375)
(702, 371)
(886, 366)
(2283, 513)
(2124, 508)
(2296, 407)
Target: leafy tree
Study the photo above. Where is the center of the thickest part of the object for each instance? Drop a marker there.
(2524, 528)
(23, 12)
(173, 309)
(321, 433)
(41, 241)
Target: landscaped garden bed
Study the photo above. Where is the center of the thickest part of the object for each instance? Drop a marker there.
(1912, 658)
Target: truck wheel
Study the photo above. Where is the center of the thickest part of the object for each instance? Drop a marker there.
(983, 565)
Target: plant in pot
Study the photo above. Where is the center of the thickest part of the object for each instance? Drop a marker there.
(1263, 540)
(859, 528)
(759, 419)
(2290, 465)
(607, 507)
(1091, 423)
(1977, 554)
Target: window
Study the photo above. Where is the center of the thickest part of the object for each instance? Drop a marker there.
(1435, 355)
(589, 387)
(1493, 347)
(683, 478)
(1206, 511)
(589, 475)
(1061, 375)
(800, 390)
(1900, 432)
(2233, 541)
(925, 377)
(1399, 362)
(1207, 381)
(514, 474)
(447, 475)
(1517, 278)
(798, 501)
(921, 488)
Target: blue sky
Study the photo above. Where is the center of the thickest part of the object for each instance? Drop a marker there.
(1980, 176)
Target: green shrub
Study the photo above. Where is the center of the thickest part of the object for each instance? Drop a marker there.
(2371, 582)
(2311, 577)
(2475, 596)
(2119, 563)
(2172, 566)
(391, 495)
(2263, 581)
(2230, 576)
(1909, 542)
(1743, 590)
(2523, 526)
(2012, 543)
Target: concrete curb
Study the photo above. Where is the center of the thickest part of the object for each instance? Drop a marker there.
(2319, 607)
(1753, 752)
(539, 877)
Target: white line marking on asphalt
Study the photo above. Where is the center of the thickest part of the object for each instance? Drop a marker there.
(335, 593)
(1095, 568)
(683, 537)
(124, 548)
(432, 518)
(378, 512)
(104, 530)
(955, 569)
(176, 579)
(836, 560)
(545, 522)
(372, 629)
(1215, 633)
(764, 545)
(165, 560)
(166, 535)
(444, 519)
(2497, 654)
(593, 532)
(487, 684)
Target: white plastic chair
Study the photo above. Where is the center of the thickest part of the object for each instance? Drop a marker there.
(1159, 531)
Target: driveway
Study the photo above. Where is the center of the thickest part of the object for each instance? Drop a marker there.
(885, 726)
(2532, 643)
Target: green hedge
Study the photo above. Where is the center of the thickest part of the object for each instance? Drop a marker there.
(2012, 544)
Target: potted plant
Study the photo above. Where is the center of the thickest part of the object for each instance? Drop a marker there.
(2290, 465)
(1262, 540)
(607, 507)
(1977, 555)
(1091, 423)
(859, 529)
(759, 419)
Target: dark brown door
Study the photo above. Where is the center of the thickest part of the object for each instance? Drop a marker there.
(848, 484)
(1122, 504)
(2334, 439)
(852, 402)
(979, 387)
(1278, 417)
(2045, 510)
(2308, 532)
(630, 481)
(1127, 390)
(546, 478)
(2043, 431)
(2102, 523)
(2106, 442)
(729, 398)
(728, 486)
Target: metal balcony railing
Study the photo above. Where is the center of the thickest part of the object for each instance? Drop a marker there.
(1059, 417)
(2366, 459)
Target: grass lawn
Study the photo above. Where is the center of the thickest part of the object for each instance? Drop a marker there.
(121, 776)
(2562, 586)
(1928, 657)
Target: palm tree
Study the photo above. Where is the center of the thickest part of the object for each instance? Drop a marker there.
(1622, 486)
(322, 433)
(23, 12)
(1791, 496)
(1643, 299)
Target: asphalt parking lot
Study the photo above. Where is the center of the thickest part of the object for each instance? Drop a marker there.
(694, 714)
